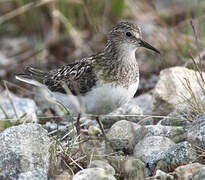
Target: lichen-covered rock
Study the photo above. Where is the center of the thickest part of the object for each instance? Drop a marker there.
(196, 131)
(124, 135)
(24, 151)
(172, 89)
(151, 145)
(174, 133)
(168, 159)
(94, 174)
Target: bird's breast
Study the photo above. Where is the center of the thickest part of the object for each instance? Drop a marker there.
(106, 97)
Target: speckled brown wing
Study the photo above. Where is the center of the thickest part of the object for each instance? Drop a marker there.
(79, 77)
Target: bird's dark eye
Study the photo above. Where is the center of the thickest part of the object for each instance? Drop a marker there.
(128, 34)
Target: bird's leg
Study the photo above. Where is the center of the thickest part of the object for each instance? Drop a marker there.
(77, 126)
(101, 128)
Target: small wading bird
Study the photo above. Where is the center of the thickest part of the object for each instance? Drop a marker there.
(100, 83)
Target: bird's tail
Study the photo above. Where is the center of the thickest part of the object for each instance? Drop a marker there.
(32, 76)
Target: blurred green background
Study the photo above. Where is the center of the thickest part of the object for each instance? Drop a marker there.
(51, 33)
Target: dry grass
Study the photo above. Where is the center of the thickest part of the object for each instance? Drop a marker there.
(79, 27)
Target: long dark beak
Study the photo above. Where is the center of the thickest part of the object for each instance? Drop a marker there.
(148, 46)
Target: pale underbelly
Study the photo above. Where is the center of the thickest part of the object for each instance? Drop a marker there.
(101, 100)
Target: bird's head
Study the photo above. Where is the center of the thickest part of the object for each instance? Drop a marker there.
(126, 35)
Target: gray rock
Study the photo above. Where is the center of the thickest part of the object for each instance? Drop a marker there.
(144, 101)
(24, 150)
(174, 133)
(124, 135)
(162, 175)
(94, 174)
(190, 171)
(167, 159)
(172, 92)
(151, 145)
(129, 112)
(130, 167)
(15, 108)
(179, 117)
(134, 169)
(104, 165)
(63, 176)
(38, 174)
(96, 147)
(200, 174)
(196, 131)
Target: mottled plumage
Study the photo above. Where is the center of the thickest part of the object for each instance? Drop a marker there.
(103, 81)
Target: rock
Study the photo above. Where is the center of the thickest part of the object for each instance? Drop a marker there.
(63, 176)
(168, 159)
(144, 101)
(190, 171)
(179, 117)
(162, 175)
(124, 135)
(172, 92)
(104, 165)
(129, 112)
(134, 169)
(196, 132)
(95, 147)
(17, 109)
(94, 174)
(176, 134)
(24, 152)
(129, 166)
(38, 174)
(200, 174)
(151, 145)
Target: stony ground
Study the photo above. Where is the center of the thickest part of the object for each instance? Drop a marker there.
(159, 134)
